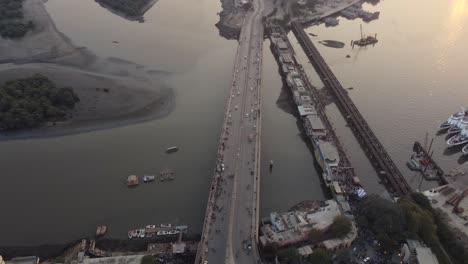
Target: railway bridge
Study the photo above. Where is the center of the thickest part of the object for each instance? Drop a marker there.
(371, 145)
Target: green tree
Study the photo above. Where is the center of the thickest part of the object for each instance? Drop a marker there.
(289, 256)
(315, 235)
(340, 227)
(320, 256)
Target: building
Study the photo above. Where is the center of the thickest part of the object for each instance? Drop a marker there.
(294, 226)
(415, 252)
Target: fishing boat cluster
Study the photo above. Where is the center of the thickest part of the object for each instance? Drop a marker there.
(457, 126)
(153, 230)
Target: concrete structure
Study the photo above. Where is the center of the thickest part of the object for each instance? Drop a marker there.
(24, 260)
(231, 221)
(414, 252)
(305, 250)
(295, 226)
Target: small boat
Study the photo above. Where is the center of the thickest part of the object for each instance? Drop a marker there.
(166, 225)
(114, 41)
(465, 150)
(151, 226)
(365, 40)
(162, 233)
(172, 149)
(173, 232)
(413, 164)
(453, 130)
(149, 178)
(132, 180)
(141, 233)
(457, 140)
(453, 120)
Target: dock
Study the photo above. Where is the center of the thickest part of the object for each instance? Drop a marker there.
(374, 150)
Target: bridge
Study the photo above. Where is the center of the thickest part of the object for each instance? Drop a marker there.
(366, 137)
(231, 220)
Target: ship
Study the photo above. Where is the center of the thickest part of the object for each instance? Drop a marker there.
(365, 40)
(459, 139)
(453, 120)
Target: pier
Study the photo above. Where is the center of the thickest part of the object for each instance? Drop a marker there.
(374, 150)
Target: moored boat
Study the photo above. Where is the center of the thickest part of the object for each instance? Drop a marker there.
(465, 150)
(453, 120)
(162, 233)
(149, 178)
(166, 225)
(459, 139)
(173, 232)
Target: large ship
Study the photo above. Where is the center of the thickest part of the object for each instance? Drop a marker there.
(365, 40)
(325, 152)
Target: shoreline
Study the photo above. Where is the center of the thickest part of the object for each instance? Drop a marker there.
(138, 93)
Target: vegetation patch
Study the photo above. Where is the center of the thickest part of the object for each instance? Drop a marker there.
(12, 24)
(30, 102)
(411, 218)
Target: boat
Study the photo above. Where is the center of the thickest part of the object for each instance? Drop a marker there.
(173, 232)
(365, 40)
(172, 149)
(465, 150)
(162, 233)
(459, 139)
(141, 233)
(166, 225)
(453, 120)
(133, 233)
(459, 125)
(413, 164)
(132, 180)
(150, 226)
(149, 178)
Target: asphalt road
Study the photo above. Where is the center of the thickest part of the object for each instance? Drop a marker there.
(232, 230)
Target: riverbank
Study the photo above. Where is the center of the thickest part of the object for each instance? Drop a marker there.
(113, 92)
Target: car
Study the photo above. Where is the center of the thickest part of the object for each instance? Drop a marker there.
(366, 259)
(249, 246)
(235, 107)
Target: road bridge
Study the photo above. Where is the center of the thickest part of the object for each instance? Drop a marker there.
(231, 219)
(366, 137)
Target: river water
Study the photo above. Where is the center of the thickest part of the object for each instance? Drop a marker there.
(406, 84)
(59, 189)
